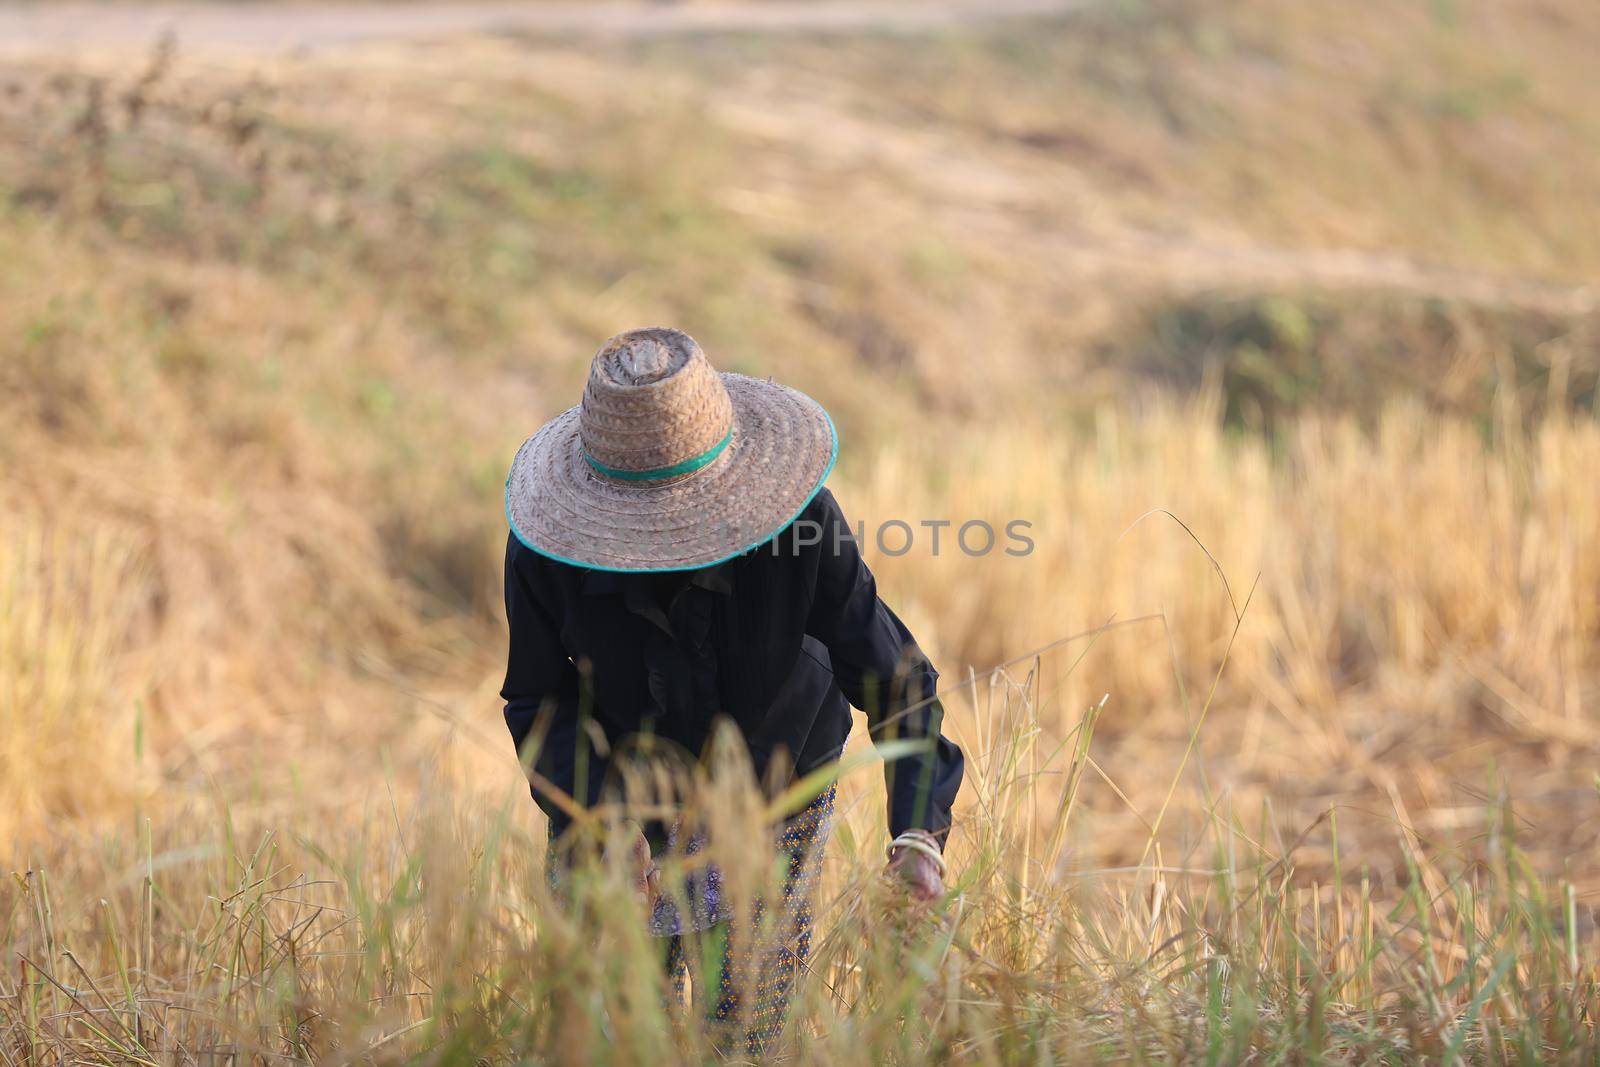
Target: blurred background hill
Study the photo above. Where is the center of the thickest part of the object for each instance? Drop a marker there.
(273, 321)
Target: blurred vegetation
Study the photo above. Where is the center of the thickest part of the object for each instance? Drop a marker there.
(1322, 287)
(1275, 357)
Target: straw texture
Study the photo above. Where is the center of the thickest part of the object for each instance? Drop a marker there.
(759, 453)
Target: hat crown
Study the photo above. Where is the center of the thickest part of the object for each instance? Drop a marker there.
(654, 408)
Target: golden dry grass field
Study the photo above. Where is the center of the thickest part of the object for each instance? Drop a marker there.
(1278, 324)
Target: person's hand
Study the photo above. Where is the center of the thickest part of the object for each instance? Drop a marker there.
(644, 875)
(919, 868)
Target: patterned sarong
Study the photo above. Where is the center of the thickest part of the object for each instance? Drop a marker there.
(762, 967)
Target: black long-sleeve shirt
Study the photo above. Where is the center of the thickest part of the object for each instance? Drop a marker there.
(781, 640)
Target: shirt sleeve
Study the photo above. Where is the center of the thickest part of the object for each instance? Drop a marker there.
(880, 669)
(544, 698)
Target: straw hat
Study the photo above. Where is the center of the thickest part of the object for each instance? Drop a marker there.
(667, 465)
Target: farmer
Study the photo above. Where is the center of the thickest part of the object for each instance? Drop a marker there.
(673, 559)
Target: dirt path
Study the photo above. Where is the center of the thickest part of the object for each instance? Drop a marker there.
(288, 25)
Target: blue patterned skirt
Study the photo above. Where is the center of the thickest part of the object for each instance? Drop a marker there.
(759, 964)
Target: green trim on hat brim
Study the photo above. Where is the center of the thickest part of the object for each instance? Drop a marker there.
(833, 457)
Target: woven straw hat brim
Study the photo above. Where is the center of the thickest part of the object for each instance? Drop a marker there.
(782, 447)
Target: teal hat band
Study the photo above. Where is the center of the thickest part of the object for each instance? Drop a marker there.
(688, 466)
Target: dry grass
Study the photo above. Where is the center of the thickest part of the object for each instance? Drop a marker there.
(424, 933)
(266, 343)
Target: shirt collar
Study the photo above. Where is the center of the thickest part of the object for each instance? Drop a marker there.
(715, 579)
